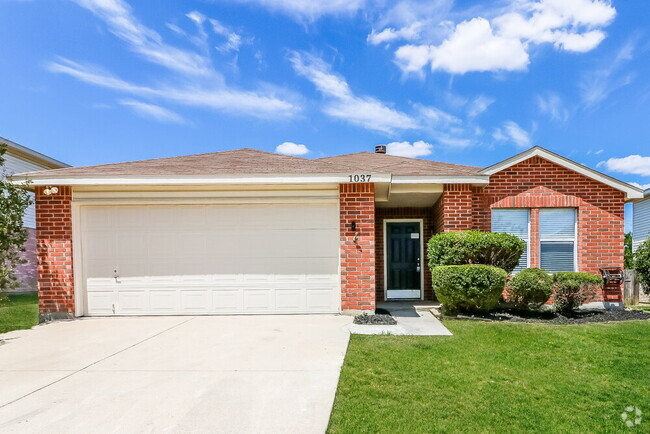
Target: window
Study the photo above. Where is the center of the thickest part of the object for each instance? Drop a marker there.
(557, 237)
(514, 222)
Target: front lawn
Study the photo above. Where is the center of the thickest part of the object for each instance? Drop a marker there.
(19, 312)
(492, 377)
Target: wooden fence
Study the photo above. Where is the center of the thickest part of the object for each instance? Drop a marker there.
(632, 290)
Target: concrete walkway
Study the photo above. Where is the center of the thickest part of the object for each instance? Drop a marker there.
(413, 319)
(244, 374)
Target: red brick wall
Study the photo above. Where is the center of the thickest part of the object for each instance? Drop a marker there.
(357, 203)
(538, 183)
(54, 249)
(454, 210)
(381, 214)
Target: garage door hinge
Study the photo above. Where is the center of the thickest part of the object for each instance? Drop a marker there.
(113, 308)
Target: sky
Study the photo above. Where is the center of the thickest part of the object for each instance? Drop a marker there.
(100, 81)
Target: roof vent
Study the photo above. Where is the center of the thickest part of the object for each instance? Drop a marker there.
(380, 149)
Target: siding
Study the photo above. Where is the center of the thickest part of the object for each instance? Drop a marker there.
(641, 222)
(13, 165)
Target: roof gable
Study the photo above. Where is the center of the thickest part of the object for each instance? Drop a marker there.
(631, 191)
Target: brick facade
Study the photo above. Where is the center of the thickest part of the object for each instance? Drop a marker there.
(357, 204)
(538, 183)
(54, 249)
(454, 211)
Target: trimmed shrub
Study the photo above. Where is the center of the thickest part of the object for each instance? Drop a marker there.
(530, 288)
(572, 289)
(475, 247)
(642, 264)
(469, 288)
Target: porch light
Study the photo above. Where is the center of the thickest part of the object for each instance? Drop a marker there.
(50, 190)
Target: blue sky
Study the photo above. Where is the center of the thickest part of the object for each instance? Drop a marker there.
(98, 81)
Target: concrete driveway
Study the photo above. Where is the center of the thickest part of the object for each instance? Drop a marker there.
(150, 374)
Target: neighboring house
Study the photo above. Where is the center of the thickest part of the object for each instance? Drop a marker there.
(20, 159)
(252, 232)
(641, 221)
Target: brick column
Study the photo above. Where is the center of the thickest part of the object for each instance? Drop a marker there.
(54, 248)
(454, 209)
(357, 205)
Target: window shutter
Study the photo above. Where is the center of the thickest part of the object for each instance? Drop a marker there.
(513, 222)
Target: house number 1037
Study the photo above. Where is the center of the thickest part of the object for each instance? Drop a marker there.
(359, 178)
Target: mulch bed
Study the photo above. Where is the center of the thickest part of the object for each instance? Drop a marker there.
(554, 318)
(375, 319)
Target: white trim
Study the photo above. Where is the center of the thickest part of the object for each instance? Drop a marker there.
(478, 179)
(631, 191)
(35, 156)
(194, 180)
(422, 258)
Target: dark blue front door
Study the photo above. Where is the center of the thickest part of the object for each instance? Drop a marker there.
(403, 261)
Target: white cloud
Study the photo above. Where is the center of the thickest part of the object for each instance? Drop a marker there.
(500, 43)
(407, 149)
(552, 105)
(343, 104)
(193, 80)
(598, 84)
(290, 148)
(152, 111)
(630, 165)
(118, 16)
(512, 132)
(478, 105)
(390, 34)
(233, 39)
(309, 10)
(473, 46)
(218, 98)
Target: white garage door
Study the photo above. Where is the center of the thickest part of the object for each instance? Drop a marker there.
(210, 259)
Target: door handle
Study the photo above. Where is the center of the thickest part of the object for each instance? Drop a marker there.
(116, 276)
(418, 268)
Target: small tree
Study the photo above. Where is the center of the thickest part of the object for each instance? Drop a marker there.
(14, 200)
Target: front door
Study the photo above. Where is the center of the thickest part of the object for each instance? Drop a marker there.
(403, 260)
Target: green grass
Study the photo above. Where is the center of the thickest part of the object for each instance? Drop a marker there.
(494, 377)
(641, 307)
(19, 312)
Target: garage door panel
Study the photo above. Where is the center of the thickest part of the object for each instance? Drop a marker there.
(211, 259)
(227, 300)
(257, 300)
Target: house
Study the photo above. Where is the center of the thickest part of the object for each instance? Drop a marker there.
(641, 220)
(252, 232)
(22, 159)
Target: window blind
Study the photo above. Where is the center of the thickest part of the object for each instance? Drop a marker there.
(557, 233)
(513, 222)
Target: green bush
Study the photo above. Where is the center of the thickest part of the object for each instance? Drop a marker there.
(531, 287)
(475, 247)
(642, 264)
(469, 288)
(572, 289)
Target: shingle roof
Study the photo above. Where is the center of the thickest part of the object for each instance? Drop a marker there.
(255, 162)
(235, 162)
(401, 166)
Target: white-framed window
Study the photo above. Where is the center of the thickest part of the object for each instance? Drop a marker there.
(557, 239)
(515, 222)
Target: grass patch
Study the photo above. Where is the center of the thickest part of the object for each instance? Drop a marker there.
(645, 307)
(19, 312)
(492, 377)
